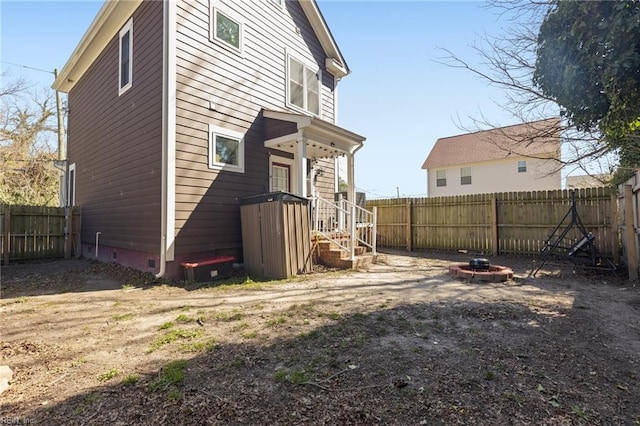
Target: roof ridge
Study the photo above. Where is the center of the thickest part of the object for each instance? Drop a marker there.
(496, 128)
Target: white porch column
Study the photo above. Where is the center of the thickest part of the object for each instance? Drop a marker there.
(301, 158)
(351, 179)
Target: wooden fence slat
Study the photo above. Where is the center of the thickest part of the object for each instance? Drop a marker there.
(32, 232)
(501, 223)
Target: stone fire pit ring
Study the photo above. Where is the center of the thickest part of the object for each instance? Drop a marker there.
(495, 273)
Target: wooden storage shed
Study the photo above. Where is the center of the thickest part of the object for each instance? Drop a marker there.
(276, 236)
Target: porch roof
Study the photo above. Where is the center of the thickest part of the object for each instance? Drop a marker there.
(323, 139)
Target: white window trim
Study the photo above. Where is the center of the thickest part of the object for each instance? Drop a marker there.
(445, 178)
(318, 72)
(220, 131)
(71, 189)
(212, 28)
(128, 27)
(292, 172)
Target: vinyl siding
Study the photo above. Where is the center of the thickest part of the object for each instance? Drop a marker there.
(115, 141)
(240, 85)
(498, 176)
(325, 184)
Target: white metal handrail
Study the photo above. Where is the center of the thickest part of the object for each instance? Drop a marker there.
(335, 221)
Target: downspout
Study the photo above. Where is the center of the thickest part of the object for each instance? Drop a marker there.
(167, 197)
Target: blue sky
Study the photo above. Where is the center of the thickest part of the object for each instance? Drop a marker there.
(397, 96)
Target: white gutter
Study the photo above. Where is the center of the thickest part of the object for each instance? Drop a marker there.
(167, 208)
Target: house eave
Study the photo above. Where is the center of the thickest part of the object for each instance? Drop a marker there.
(324, 139)
(106, 24)
(335, 63)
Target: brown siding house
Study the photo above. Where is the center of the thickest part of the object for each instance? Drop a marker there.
(178, 109)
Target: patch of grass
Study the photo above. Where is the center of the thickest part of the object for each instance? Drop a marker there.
(242, 326)
(122, 317)
(79, 361)
(515, 397)
(22, 299)
(579, 412)
(201, 346)
(234, 315)
(334, 315)
(184, 319)
(174, 395)
(250, 334)
(167, 325)
(304, 309)
(280, 375)
(295, 376)
(116, 303)
(172, 336)
(276, 321)
(131, 379)
(108, 375)
(170, 375)
(127, 286)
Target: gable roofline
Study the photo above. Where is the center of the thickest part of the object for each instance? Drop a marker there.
(530, 139)
(503, 128)
(111, 17)
(114, 13)
(335, 62)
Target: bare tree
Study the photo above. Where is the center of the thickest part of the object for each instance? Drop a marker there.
(27, 175)
(508, 62)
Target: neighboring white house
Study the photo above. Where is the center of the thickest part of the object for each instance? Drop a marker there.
(587, 181)
(521, 157)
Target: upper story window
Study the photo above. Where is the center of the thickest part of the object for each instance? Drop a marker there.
(226, 149)
(465, 176)
(522, 166)
(441, 178)
(303, 86)
(226, 29)
(125, 74)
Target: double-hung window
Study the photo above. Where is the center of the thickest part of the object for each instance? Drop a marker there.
(280, 177)
(522, 166)
(441, 178)
(226, 149)
(125, 70)
(465, 176)
(226, 30)
(303, 86)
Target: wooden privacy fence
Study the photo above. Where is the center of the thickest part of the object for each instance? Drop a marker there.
(629, 201)
(37, 232)
(500, 223)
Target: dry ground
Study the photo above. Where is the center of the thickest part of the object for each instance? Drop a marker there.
(398, 343)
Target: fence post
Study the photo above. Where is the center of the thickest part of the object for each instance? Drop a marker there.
(409, 234)
(6, 245)
(630, 234)
(615, 226)
(494, 226)
(68, 237)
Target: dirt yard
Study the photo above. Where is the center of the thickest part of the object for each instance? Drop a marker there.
(400, 343)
